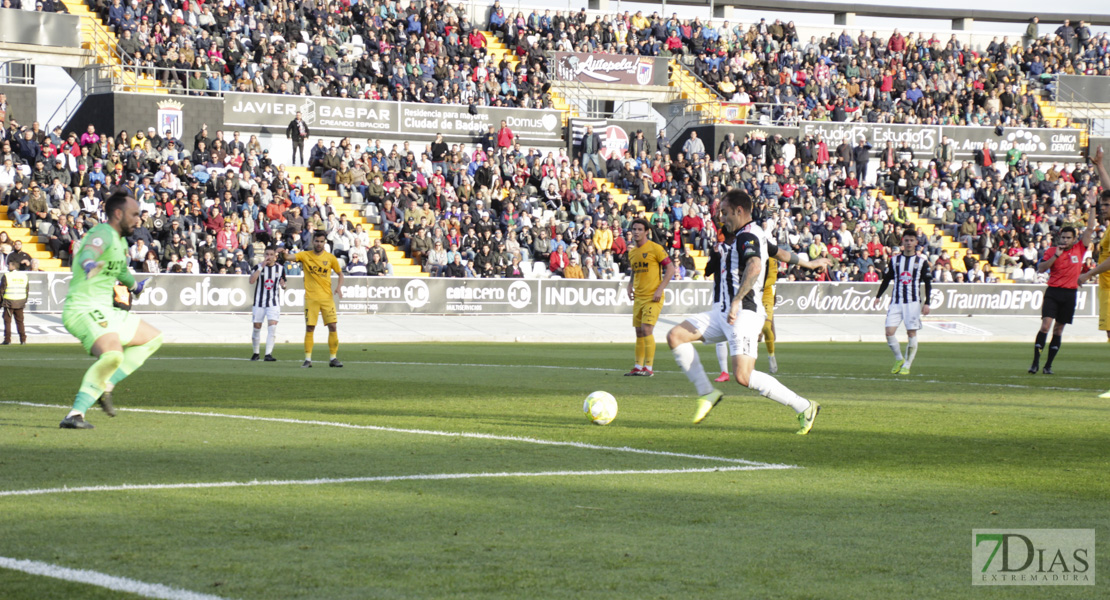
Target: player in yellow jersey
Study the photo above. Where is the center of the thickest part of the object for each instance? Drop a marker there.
(318, 295)
(1103, 251)
(652, 270)
(768, 333)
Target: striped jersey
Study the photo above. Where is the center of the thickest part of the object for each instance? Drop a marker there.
(906, 274)
(751, 241)
(267, 290)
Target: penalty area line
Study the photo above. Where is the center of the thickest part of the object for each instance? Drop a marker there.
(383, 479)
(111, 582)
(478, 436)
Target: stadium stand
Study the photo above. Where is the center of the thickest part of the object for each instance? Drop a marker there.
(208, 200)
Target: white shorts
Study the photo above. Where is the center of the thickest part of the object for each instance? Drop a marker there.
(908, 313)
(269, 313)
(742, 336)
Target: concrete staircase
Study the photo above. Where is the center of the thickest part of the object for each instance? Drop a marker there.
(700, 258)
(402, 266)
(928, 226)
(690, 89)
(31, 244)
(96, 36)
(498, 51)
(1057, 117)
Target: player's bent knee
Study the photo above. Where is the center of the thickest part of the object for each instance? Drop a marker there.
(742, 378)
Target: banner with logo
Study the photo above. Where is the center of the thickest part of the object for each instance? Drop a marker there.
(576, 296)
(1036, 143)
(339, 117)
(947, 300)
(610, 69)
(924, 139)
(616, 135)
(441, 296)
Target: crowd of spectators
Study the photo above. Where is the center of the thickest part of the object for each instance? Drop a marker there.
(211, 203)
(431, 52)
(821, 201)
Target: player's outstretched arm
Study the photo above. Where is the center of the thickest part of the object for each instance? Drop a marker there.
(1092, 223)
(1100, 268)
(1103, 176)
(792, 258)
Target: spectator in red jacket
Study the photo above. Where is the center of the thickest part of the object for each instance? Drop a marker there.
(505, 136)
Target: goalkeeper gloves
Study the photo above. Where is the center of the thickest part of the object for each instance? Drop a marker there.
(139, 285)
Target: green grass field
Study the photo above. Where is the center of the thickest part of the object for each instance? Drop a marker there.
(893, 478)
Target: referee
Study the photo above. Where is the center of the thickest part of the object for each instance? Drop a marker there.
(1063, 262)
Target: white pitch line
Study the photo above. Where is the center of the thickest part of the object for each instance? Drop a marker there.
(479, 436)
(111, 582)
(381, 479)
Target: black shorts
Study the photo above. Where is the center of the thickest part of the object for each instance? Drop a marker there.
(1059, 304)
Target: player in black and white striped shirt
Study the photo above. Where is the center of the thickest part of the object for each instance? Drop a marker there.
(907, 271)
(268, 278)
(737, 316)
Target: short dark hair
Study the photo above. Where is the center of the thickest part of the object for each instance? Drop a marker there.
(641, 221)
(116, 202)
(737, 198)
(1068, 229)
(320, 233)
(909, 231)
(271, 247)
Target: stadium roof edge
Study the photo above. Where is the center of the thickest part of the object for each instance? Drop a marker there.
(904, 12)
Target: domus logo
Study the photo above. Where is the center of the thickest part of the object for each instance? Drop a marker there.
(417, 294)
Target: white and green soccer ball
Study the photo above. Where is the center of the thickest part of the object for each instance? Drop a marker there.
(600, 407)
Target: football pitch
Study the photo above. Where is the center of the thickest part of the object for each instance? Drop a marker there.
(470, 471)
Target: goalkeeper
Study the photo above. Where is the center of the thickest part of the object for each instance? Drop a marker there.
(119, 340)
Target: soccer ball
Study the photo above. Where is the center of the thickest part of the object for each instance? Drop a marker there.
(600, 407)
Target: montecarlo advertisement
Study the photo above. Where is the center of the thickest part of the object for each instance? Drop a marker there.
(610, 69)
(371, 118)
(924, 139)
(395, 295)
(947, 299)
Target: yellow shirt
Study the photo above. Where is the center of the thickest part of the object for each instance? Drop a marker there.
(1103, 253)
(317, 274)
(772, 275)
(647, 263)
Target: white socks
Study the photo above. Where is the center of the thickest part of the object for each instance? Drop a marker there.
(687, 359)
(722, 356)
(772, 388)
(767, 386)
(895, 347)
(911, 351)
(256, 336)
(271, 337)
